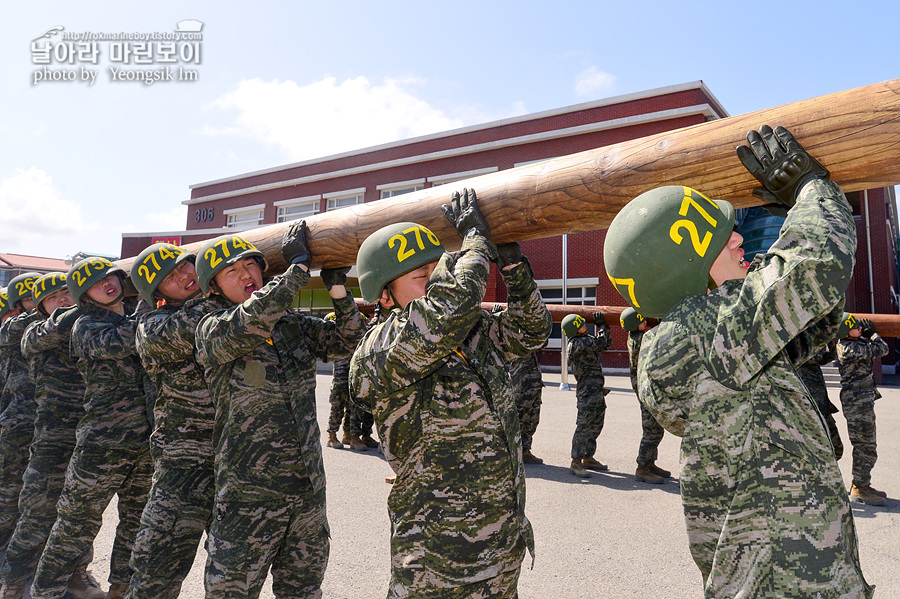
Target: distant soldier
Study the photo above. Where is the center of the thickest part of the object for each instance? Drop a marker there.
(259, 357)
(112, 453)
(59, 394)
(647, 470)
(343, 410)
(765, 506)
(17, 406)
(857, 348)
(433, 375)
(527, 386)
(590, 395)
(180, 503)
(811, 375)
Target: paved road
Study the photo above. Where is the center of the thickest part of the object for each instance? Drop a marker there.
(606, 536)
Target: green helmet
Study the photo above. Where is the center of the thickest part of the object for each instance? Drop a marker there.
(330, 316)
(660, 247)
(391, 252)
(4, 303)
(20, 288)
(85, 273)
(848, 323)
(46, 285)
(572, 323)
(153, 265)
(631, 319)
(215, 254)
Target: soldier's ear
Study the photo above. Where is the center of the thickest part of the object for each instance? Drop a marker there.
(386, 300)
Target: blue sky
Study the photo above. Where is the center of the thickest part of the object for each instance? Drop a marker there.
(285, 81)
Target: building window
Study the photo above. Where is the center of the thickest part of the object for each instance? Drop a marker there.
(344, 201)
(292, 210)
(397, 189)
(579, 292)
(245, 217)
(454, 177)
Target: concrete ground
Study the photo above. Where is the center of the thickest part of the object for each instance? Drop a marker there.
(606, 536)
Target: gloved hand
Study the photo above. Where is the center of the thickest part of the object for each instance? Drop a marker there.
(334, 276)
(509, 253)
(67, 318)
(867, 327)
(780, 163)
(598, 319)
(463, 213)
(293, 244)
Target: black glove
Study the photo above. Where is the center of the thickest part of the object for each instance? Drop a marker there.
(779, 210)
(334, 276)
(293, 244)
(780, 163)
(867, 327)
(509, 253)
(598, 319)
(463, 213)
(66, 318)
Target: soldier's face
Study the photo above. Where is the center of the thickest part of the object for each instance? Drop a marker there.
(855, 332)
(180, 284)
(238, 281)
(408, 287)
(58, 299)
(27, 303)
(106, 290)
(730, 263)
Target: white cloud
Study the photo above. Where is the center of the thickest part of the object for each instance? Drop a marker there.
(33, 210)
(327, 117)
(594, 82)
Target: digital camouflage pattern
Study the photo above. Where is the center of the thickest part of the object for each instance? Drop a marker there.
(180, 503)
(652, 431)
(527, 386)
(259, 359)
(433, 375)
(355, 421)
(766, 510)
(811, 374)
(590, 395)
(111, 457)
(858, 395)
(16, 419)
(59, 394)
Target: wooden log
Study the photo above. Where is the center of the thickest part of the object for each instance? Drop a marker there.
(853, 133)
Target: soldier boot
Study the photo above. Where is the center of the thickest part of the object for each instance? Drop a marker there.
(333, 441)
(659, 471)
(356, 444)
(8, 592)
(346, 438)
(117, 590)
(368, 441)
(83, 586)
(865, 495)
(591, 464)
(645, 475)
(578, 469)
(530, 458)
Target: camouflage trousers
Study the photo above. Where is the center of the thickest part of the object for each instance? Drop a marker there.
(590, 397)
(860, 415)
(177, 513)
(650, 439)
(247, 538)
(356, 422)
(528, 404)
(14, 443)
(94, 475)
(42, 484)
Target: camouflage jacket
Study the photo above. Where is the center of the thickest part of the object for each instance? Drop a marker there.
(765, 505)
(115, 400)
(525, 373)
(17, 399)
(59, 388)
(810, 373)
(856, 359)
(259, 358)
(584, 353)
(634, 351)
(183, 412)
(433, 375)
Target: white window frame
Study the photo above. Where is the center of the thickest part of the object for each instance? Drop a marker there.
(233, 223)
(579, 292)
(390, 190)
(339, 199)
(284, 208)
(454, 177)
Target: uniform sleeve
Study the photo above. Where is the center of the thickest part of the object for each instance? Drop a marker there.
(334, 340)
(165, 336)
(525, 325)
(857, 350)
(812, 344)
(101, 340)
(802, 277)
(663, 385)
(226, 335)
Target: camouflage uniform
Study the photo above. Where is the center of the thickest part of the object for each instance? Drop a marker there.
(260, 363)
(433, 375)
(111, 457)
(16, 420)
(858, 395)
(590, 396)
(180, 504)
(811, 375)
(766, 510)
(652, 430)
(59, 394)
(339, 399)
(527, 386)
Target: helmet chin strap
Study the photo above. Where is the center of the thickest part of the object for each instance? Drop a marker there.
(169, 300)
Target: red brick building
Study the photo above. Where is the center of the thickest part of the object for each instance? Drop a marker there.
(305, 188)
